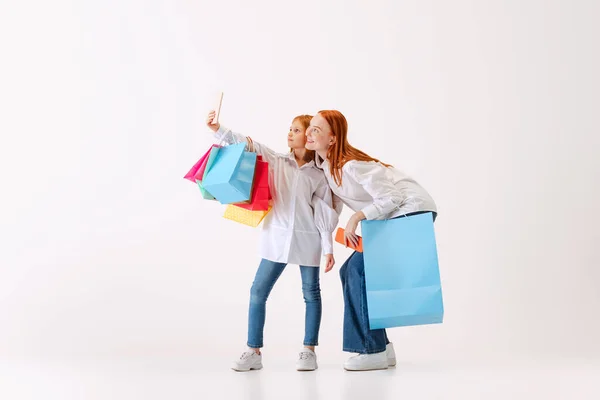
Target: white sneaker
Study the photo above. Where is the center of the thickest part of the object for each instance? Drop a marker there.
(307, 360)
(391, 355)
(367, 362)
(247, 361)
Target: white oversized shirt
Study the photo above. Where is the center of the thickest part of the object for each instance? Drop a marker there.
(302, 219)
(378, 191)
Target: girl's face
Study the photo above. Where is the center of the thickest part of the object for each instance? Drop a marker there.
(318, 134)
(296, 136)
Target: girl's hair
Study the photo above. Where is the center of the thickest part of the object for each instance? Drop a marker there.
(305, 122)
(341, 151)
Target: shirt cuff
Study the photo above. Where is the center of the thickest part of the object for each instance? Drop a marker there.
(370, 212)
(327, 243)
(221, 132)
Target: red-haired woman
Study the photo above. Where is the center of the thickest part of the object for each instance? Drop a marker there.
(374, 191)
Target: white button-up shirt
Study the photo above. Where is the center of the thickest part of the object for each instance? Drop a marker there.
(378, 191)
(299, 227)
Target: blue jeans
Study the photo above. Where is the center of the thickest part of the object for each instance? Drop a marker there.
(267, 274)
(358, 338)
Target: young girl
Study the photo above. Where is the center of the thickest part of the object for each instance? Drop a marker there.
(298, 226)
(374, 191)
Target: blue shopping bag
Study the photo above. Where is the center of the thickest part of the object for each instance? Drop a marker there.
(402, 275)
(230, 177)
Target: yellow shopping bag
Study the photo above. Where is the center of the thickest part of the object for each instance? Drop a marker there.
(243, 216)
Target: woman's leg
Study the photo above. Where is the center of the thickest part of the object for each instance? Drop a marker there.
(358, 338)
(312, 299)
(267, 274)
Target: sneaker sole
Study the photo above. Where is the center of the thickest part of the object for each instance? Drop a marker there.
(306, 369)
(247, 370)
(391, 362)
(374, 368)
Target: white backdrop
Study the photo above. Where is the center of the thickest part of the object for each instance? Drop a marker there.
(106, 250)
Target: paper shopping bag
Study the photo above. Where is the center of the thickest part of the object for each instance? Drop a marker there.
(243, 216)
(198, 168)
(210, 156)
(261, 194)
(203, 170)
(401, 272)
(230, 177)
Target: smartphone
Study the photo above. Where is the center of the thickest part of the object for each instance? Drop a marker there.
(339, 237)
(218, 108)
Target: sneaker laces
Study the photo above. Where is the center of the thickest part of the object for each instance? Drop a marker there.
(246, 355)
(305, 355)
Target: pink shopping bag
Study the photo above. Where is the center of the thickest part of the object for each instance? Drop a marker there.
(197, 171)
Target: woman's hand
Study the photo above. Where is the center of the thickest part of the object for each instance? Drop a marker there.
(350, 236)
(209, 121)
(329, 262)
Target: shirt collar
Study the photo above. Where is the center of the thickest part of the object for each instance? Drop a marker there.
(309, 164)
(319, 162)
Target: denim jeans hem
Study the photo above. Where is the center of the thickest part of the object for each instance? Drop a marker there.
(349, 350)
(252, 346)
(310, 344)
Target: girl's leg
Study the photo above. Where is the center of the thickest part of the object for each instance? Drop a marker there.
(267, 274)
(312, 298)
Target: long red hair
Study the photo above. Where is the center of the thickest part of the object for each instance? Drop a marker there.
(341, 151)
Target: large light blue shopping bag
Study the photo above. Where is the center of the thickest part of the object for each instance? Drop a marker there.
(230, 177)
(401, 272)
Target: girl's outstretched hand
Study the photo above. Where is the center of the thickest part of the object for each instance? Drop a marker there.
(209, 121)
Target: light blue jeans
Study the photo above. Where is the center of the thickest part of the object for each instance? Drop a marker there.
(267, 274)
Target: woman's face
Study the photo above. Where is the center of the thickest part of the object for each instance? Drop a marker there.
(318, 134)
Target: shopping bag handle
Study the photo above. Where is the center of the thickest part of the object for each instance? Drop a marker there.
(250, 144)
